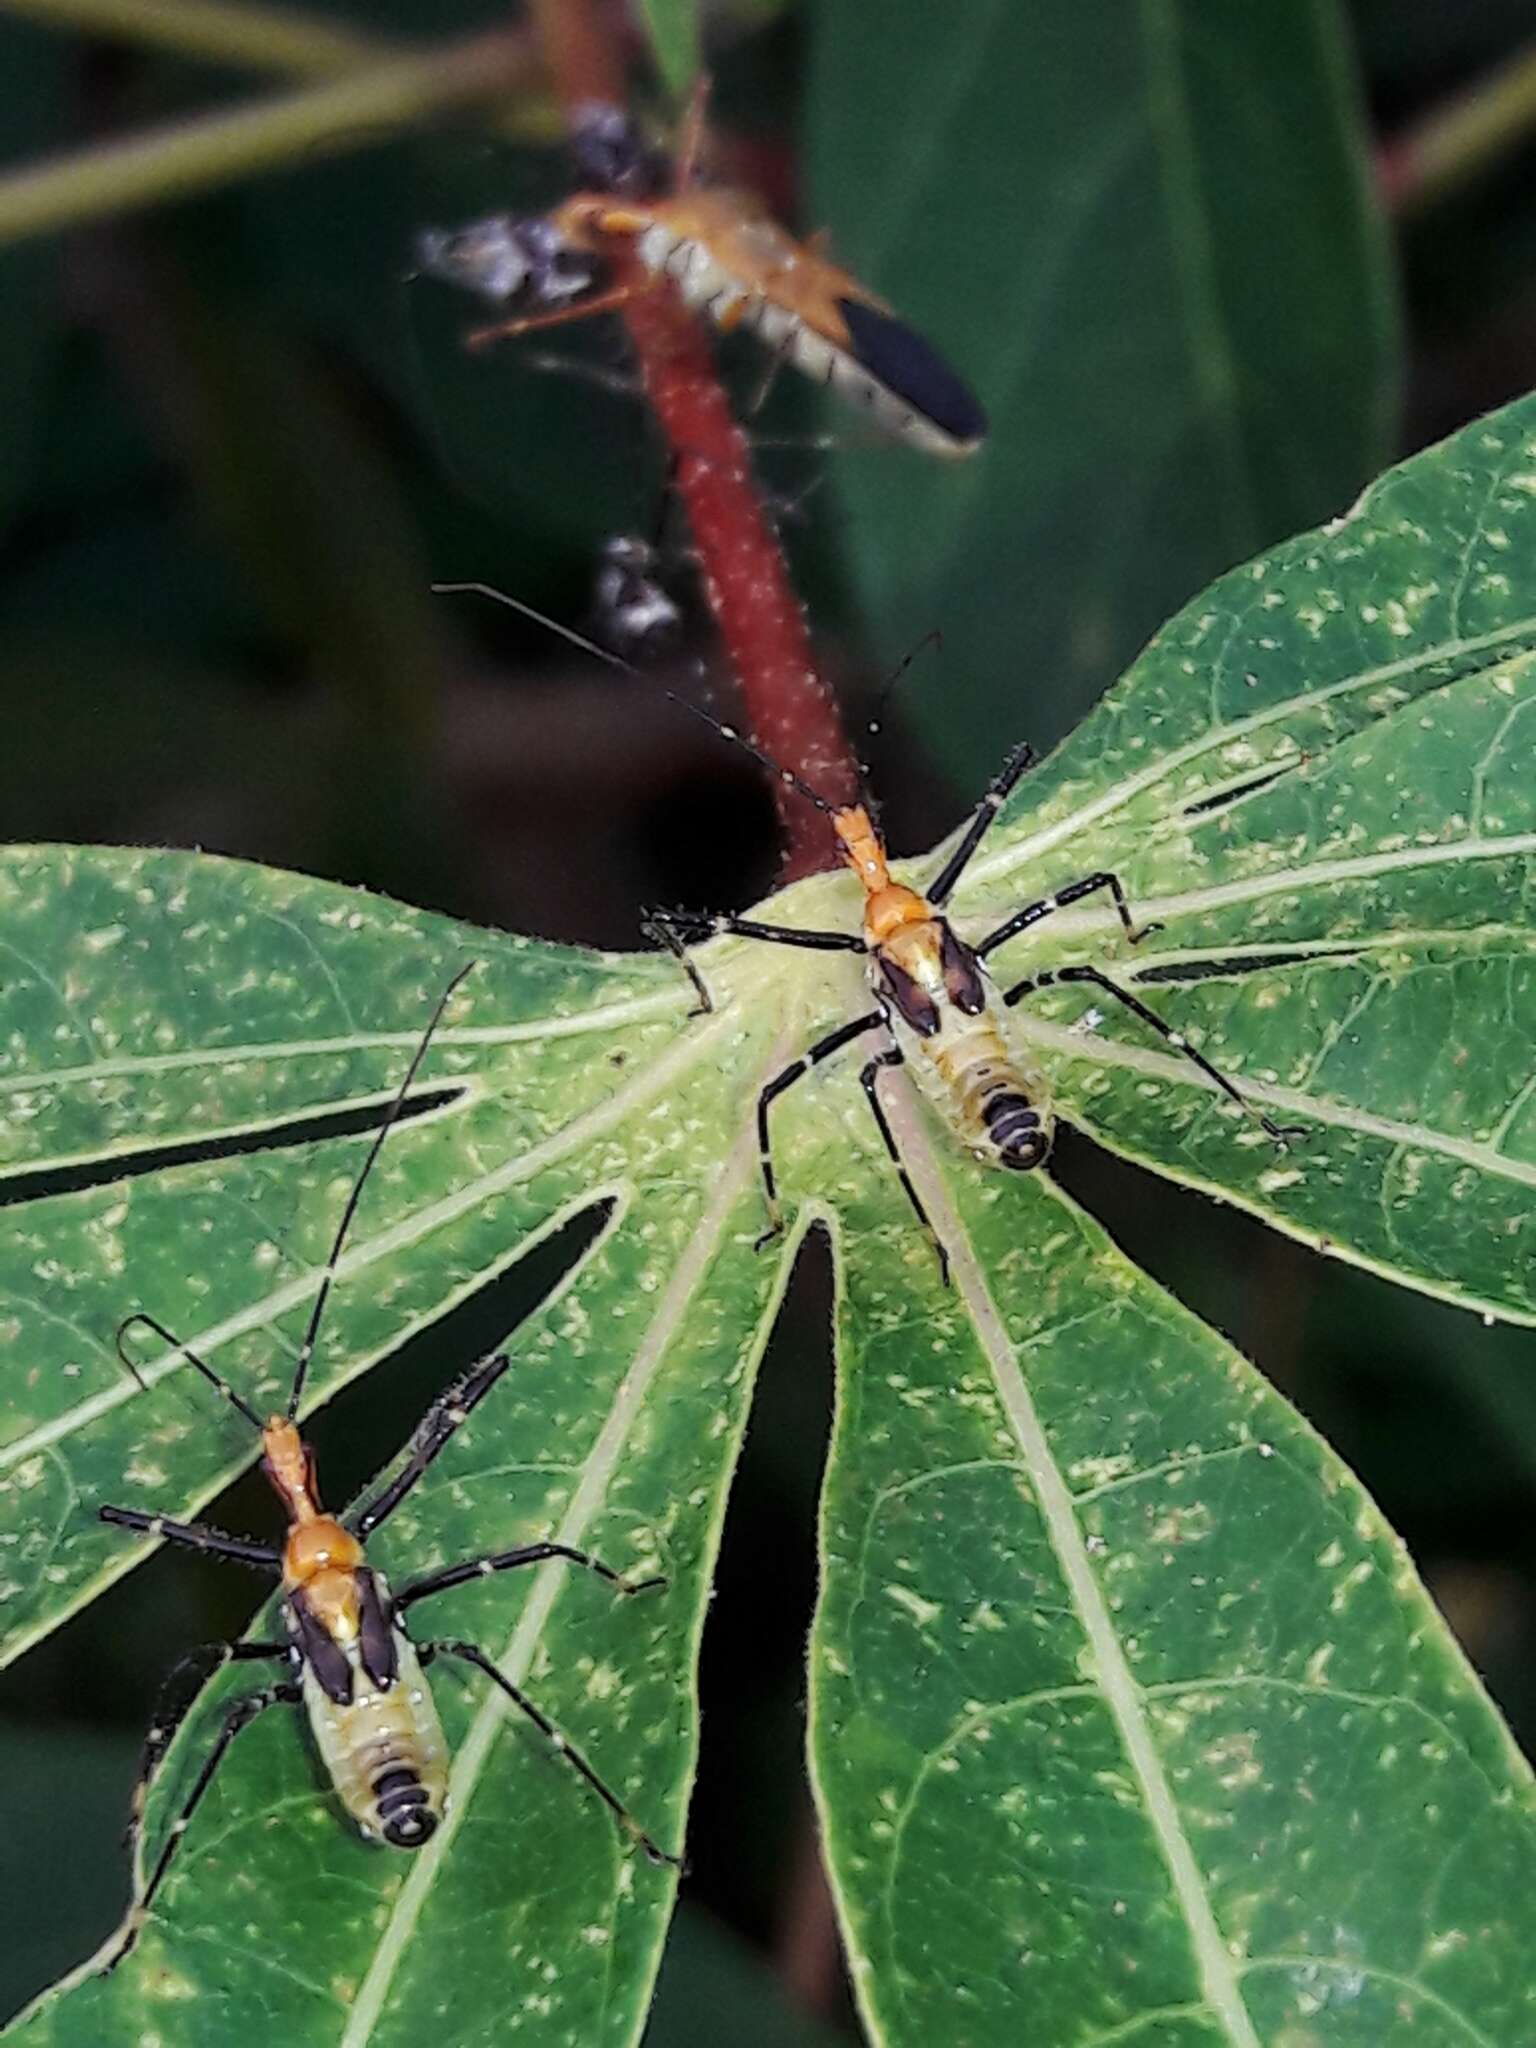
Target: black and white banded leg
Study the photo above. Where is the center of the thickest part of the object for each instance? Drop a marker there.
(821, 1050)
(1074, 892)
(513, 1560)
(893, 1057)
(1069, 976)
(993, 798)
(239, 1716)
(471, 1653)
(195, 1536)
(207, 1661)
(448, 1413)
(679, 929)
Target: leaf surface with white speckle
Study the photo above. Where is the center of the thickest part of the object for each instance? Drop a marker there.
(1129, 1717)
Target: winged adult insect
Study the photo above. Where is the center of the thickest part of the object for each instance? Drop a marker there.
(727, 258)
(348, 1659)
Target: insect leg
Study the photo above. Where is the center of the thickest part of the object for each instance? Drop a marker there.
(239, 1716)
(693, 926)
(656, 925)
(195, 1535)
(1072, 893)
(678, 929)
(822, 1049)
(471, 1653)
(208, 1660)
(1279, 1132)
(993, 799)
(451, 1408)
(690, 136)
(894, 1057)
(561, 316)
(510, 1560)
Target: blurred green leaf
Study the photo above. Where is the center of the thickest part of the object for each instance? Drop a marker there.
(58, 1845)
(674, 27)
(713, 1988)
(1145, 234)
(34, 88)
(1097, 1607)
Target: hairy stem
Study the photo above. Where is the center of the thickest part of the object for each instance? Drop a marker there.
(790, 712)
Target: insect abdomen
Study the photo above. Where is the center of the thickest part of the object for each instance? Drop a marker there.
(990, 1105)
(384, 1751)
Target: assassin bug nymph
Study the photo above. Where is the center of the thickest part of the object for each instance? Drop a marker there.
(348, 1659)
(727, 258)
(935, 1001)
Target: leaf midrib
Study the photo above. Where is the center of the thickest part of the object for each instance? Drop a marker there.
(636, 1009)
(1117, 1686)
(596, 1471)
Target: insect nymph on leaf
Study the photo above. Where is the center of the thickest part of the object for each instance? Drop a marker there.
(936, 1003)
(348, 1659)
(727, 258)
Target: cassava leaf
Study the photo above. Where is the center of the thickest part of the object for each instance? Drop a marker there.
(1130, 1718)
(1047, 1481)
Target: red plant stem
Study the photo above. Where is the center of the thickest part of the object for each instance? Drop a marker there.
(790, 712)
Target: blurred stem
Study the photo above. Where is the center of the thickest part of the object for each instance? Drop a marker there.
(790, 712)
(355, 112)
(257, 38)
(1463, 138)
(581, 54)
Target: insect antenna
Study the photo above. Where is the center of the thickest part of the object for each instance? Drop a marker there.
(391, 1118)
(934, 637)
(727, 732)
(169, 1337)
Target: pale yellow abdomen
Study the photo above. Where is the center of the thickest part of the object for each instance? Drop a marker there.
(381, 1744)
(967, 1069)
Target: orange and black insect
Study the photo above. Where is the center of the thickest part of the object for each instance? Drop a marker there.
(728, 258)
(935, 1002)
(347, 1658)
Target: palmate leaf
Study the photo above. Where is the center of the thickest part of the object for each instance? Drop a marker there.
(1129, 1719)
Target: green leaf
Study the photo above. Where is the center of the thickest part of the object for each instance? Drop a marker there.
(1046, 1481)
(616, 1425)
(1108, 218)
(1130, 1719)
(674, 27)
(1381, 674)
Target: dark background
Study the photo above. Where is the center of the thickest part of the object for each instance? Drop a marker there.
(238, 445)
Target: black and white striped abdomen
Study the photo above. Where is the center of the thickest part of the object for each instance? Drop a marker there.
(969, 1072)
(384, 1750)
(952, 425)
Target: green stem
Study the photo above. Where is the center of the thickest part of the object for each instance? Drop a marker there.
(355, 112)
(208, 31)
(1465, 137)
